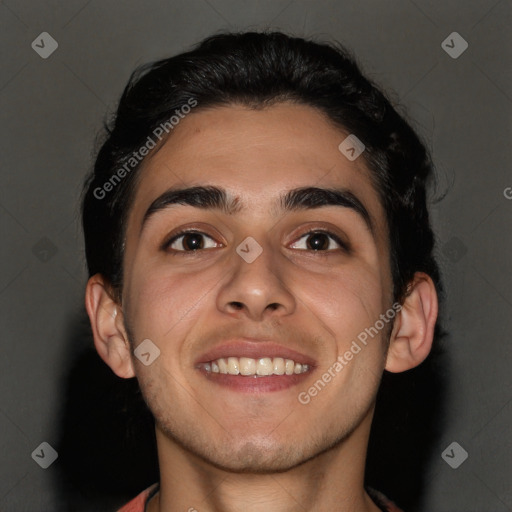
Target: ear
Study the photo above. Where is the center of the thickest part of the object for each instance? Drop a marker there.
(413, 331)
(107, 322)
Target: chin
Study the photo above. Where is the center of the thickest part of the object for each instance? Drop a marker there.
(259, 455)
(256, 459)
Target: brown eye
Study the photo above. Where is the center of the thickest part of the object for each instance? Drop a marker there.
(191, 241)
(319, 241)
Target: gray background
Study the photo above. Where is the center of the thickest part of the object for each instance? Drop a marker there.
(51, 110)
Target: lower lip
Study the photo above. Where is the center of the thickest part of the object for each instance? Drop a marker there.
(251, 384)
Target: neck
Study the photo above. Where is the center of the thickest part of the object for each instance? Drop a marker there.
(333, 480)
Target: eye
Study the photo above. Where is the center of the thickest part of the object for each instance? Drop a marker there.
(319, 241)
(190, 241)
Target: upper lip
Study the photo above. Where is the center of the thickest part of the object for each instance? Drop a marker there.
(255, 349)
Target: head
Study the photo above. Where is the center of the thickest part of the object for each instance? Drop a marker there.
(244, 137)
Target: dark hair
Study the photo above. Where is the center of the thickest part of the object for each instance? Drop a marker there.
(258, 70)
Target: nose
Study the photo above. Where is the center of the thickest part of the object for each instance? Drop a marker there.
(257, 289)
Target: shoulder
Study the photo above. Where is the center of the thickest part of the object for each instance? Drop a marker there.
(382, 501)
(139, 502)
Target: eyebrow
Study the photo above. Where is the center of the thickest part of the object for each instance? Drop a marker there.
(215, 198)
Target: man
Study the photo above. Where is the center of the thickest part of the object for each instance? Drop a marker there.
(259, 252)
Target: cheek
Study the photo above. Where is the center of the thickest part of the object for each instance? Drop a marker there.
(350, 302)
(348, 299)
(161, 300)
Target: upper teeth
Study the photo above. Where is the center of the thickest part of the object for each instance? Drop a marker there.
(249, 366)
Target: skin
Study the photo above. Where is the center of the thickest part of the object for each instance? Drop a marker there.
(223, 450)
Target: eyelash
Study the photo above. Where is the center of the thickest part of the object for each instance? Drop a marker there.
(344, 246)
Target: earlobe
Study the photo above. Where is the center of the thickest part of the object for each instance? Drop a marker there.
(106, 317)
(413, 332)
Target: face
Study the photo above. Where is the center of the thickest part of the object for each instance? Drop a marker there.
(258, 279)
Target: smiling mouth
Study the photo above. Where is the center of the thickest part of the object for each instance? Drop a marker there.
(249, 367)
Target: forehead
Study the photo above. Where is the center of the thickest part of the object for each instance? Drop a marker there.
(256, 155)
